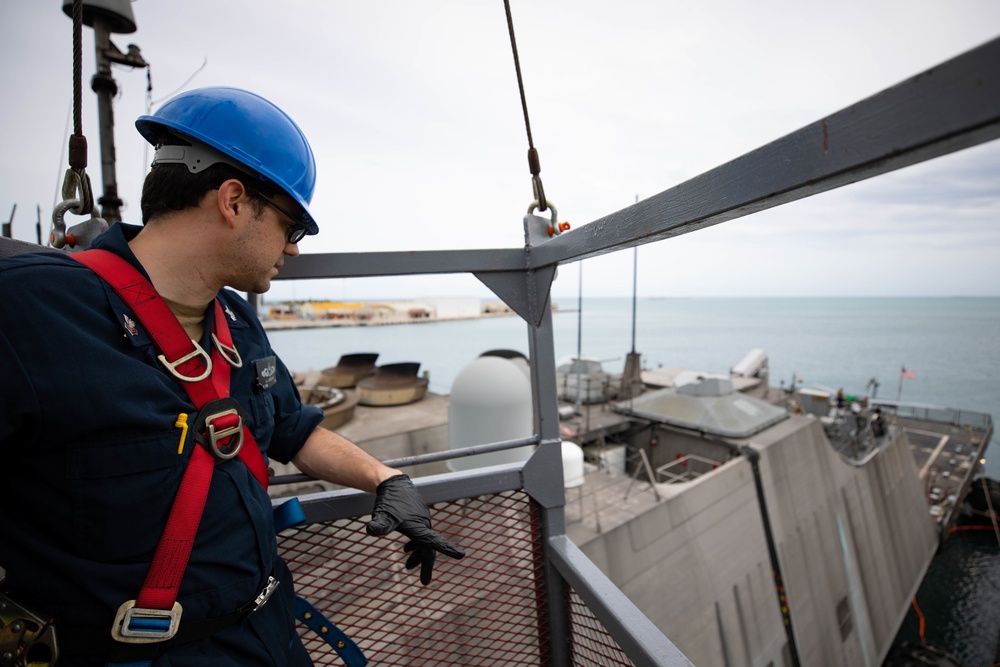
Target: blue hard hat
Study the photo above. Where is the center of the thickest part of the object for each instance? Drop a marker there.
(258, 137)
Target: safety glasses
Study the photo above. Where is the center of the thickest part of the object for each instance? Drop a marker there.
(296, 231)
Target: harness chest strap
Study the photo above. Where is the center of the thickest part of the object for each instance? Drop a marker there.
(205, 379)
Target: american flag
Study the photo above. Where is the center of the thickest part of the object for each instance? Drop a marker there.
(907, 375)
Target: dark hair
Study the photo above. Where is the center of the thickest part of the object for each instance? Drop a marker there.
(171, 187)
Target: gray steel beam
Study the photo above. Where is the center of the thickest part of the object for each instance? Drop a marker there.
(430, 457)
(944, 109)
(416, 262)
(543, 475)
(642, 641)
(509, 286)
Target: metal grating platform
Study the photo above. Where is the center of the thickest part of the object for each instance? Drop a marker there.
(591, 645)
(487, 609)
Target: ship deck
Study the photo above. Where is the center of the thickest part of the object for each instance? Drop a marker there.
(946, 455)
(946, 451)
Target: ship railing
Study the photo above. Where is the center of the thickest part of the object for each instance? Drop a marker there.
(637, 458)
(935, 413)
(523, 595)
(687, 472)
(607, 486)
(599, 390)
(852, 435)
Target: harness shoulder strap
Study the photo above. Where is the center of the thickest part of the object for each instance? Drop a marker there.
(182, 357)
(155, 613)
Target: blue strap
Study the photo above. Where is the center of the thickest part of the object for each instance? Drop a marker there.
(288, 514)
(313, 619)
(330, 633)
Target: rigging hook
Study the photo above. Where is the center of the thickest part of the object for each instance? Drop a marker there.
(78, 199)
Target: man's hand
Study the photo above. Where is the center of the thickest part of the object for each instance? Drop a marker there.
(398, 506)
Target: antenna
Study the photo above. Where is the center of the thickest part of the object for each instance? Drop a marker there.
(579, 341)
(631, 383)
(873, 385)
(8, 227)
(635, 281)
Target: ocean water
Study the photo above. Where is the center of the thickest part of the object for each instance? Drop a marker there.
(952, 344)
(960, 600)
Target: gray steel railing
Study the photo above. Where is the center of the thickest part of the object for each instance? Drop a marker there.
(944, 109)
(476, 605)
(936, 413)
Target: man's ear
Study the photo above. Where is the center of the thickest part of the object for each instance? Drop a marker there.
(231, 198)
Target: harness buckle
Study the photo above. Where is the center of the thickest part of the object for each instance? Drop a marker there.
(136, 625)
(265, 594)
(198, 352)
(210, 435)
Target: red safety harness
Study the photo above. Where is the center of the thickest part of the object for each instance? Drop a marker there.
(220, 427)
(153, 618)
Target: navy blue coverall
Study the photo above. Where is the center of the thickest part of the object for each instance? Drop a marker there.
(89, 464)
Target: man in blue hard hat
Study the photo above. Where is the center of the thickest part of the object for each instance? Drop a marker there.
(142, 402)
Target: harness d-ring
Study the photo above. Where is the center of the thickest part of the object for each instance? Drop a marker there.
(198, 352)
(228, 352)
(213, 435)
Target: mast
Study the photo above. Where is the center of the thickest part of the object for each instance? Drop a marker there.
(579, 342)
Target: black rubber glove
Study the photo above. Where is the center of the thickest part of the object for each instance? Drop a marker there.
(398, 506)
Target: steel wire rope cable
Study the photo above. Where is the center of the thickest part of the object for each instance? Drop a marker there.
(534, 166)
(77, 71)
(76, 190)
(74, 115)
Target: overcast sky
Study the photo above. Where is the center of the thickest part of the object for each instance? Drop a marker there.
(413, 112)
